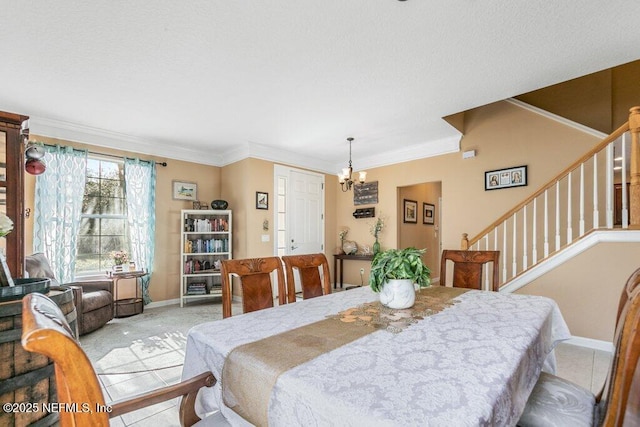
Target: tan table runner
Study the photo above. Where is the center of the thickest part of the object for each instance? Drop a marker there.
(251, 370)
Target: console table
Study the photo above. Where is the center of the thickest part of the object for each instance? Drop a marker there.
(128, 306)
(342, 258)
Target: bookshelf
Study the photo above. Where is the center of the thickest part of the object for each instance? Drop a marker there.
(206, 241)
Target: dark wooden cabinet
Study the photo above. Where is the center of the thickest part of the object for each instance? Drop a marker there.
(12, 146)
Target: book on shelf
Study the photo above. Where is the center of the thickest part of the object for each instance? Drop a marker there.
(196, 289)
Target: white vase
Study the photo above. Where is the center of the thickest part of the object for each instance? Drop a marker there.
(398, 293)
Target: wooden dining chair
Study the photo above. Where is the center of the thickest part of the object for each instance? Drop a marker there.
(632, 283)
(308, 267)
(468, 267)
(555, 401)
(255, 281)
(45, 331)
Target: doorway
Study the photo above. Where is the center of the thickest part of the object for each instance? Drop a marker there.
(299, 211)
(423, 230)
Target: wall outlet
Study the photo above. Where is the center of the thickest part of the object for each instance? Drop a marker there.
(361, 271)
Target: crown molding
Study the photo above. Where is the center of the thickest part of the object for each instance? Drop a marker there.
(103, 138)
(265, 152)
(557, 118)
(423, 150)
(120, 141)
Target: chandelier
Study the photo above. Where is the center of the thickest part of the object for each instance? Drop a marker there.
(344, 177)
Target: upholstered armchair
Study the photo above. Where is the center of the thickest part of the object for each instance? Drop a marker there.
(93, 298)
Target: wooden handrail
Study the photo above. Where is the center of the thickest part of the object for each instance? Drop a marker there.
(599, 147)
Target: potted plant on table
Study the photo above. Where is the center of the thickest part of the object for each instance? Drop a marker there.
(393, 274)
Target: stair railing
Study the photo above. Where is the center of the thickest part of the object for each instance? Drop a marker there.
(590, 194)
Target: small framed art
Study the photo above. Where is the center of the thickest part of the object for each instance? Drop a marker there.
(183, 190)
(262, 200)
(410, 209)
(505, 178)
(428, 213)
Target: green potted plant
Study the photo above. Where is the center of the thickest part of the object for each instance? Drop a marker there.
(393, 274)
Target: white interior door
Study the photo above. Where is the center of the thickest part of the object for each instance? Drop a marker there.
(299, 212)
(306, 216)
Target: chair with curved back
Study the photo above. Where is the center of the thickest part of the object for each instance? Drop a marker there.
(468, 267)
(556, 401)
(308, 267)
(255, 281)
(632, 283)
(45, 331)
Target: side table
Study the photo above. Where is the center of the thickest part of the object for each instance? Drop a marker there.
(343, 257)
(127, 306)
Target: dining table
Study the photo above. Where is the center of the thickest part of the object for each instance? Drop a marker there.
(459, 357)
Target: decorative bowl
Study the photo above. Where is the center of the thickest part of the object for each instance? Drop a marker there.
(219, 205)
(350, 247)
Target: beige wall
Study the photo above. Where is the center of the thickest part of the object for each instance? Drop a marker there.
(502, 134)
(166, 278)
(600, 100)
(587, 288)
(420, 235)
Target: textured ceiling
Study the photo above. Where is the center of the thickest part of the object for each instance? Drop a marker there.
(215, 81)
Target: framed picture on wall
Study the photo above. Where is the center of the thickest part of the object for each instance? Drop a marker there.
(183, 190)
(410, 209)
(505, 178)
(262, 200)
(428, 213)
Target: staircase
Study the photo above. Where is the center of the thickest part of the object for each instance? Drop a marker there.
(595, 199)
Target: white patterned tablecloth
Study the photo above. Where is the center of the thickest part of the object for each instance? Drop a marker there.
(473, 364)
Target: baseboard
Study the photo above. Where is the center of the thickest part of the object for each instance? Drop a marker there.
(164, 303)
(591, 343)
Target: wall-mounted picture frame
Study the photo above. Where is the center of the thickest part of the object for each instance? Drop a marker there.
(410, 211)
(428, 213)
(505, 178)
(262, 200)
(184, 190)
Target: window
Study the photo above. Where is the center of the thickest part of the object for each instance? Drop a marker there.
(103, 224)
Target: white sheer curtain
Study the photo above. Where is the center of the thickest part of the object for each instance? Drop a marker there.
(58, 206)
(140, 189)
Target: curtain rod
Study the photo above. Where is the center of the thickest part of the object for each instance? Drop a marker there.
(164, 164)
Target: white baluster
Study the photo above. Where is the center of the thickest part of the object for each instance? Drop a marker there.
(625, 210)
(546, 223)
(524, 238)
(609, 185)
(495, 238)
(515, 257)
(504, 251)
(557, 215)
(569, 210)
(534, 236)
(486, 270)
(582, 199)
(596, 213)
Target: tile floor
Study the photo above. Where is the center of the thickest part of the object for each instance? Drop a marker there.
(144, 352)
